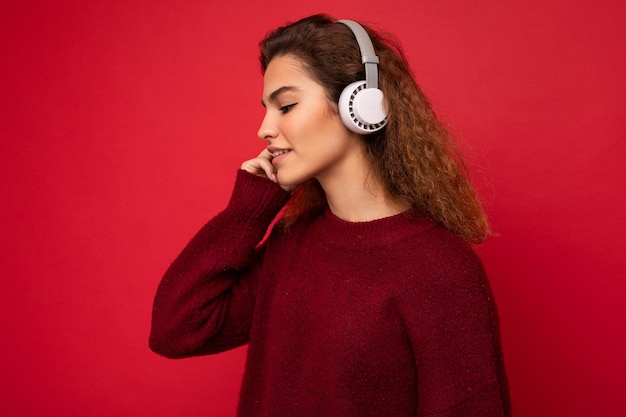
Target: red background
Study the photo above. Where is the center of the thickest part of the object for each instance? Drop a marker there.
(123, 123)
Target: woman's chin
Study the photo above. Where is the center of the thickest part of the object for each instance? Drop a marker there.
(287, 180)
(287, 184)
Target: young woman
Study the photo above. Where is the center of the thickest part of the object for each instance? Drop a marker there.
(366, 298)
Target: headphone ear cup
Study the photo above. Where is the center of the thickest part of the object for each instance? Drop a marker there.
(362, 109)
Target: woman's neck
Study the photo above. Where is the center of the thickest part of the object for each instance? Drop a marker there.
(356, 194)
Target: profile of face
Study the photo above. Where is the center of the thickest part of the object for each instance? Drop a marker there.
(302, 127)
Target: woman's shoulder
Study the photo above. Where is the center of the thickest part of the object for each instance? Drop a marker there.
(436, 256)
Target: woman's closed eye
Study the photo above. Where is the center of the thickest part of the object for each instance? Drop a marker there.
(287, 108)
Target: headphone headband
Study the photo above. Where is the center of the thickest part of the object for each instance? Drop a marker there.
(368, 55)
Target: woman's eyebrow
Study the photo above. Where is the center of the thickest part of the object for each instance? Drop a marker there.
(274, 94)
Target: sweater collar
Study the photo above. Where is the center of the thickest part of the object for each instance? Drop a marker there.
(373, 234)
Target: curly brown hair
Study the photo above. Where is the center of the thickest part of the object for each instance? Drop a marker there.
(414, 155)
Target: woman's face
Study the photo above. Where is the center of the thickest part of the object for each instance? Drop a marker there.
(304, 132)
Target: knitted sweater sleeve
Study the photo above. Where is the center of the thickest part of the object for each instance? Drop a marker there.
(205, 300)
(452, 323)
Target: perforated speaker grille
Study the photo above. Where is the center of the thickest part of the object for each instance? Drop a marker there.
(365, 126)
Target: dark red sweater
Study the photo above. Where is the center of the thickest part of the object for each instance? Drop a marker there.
(392, 317)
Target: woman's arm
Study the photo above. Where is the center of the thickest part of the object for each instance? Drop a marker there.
(205, 301)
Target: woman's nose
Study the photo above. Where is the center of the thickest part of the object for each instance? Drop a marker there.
(267, 130)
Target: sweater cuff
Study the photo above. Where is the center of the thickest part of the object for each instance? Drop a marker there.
(256, 198)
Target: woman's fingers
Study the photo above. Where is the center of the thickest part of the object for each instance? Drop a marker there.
(261, 165)
(265, 153)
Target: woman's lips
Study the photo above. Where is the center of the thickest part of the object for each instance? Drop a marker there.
(279, 154)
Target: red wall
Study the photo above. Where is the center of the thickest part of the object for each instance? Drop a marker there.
(123, 123)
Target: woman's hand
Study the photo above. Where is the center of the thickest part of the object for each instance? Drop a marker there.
(262, 166)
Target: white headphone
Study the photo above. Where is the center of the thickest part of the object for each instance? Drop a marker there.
(361, 103)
